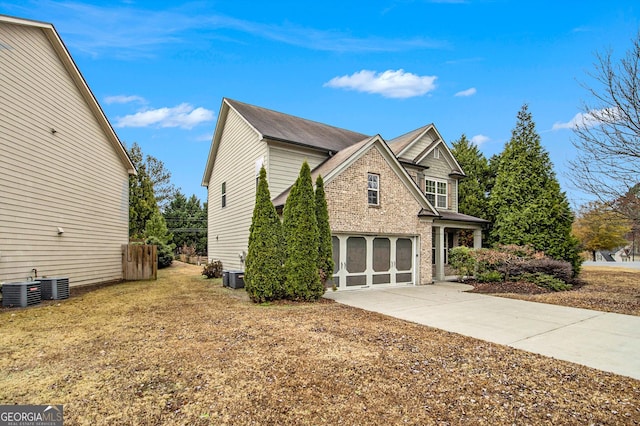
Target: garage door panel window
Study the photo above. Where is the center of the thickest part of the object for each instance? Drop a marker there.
(356, 280)
(381, 260)
(381, 254)
(406, 277)
(404, 254)
(335, 246)
(382, 279)
(356, 254)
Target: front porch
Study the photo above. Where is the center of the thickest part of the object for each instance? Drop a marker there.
(446, 234)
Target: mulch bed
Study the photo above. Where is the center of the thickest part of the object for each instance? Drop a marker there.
(517, 287)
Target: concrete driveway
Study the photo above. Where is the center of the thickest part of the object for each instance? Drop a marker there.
(609, 342)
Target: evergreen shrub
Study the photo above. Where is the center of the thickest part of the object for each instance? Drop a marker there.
(490, 277)
(302, 280)
(213, 269)
(462, 260)
(325, 247)
(558, 269)
(165, 251)
(546, 281)
(263, 272)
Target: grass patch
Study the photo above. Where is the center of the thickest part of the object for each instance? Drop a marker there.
(185, 350)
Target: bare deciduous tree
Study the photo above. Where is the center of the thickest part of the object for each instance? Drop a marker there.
(607, 162)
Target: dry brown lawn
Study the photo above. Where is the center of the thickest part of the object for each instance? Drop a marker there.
(603, 288)
(183, 350)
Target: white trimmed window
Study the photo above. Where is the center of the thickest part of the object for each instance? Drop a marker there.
(373, 189)
(436, 153)
(224, 194)
(436, 192)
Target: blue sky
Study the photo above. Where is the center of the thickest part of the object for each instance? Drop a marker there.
(160, 69)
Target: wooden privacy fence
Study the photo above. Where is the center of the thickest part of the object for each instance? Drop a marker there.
(194, 260)
(139, 262)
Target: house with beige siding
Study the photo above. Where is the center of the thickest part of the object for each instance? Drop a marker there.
(393, 205)
(64, 196)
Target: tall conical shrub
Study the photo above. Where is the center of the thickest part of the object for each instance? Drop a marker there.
(302, 281)
(526, 200)
(325, 249)
(263, 271)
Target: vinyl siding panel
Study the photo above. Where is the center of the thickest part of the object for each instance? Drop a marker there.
(440, 169)
(284, 164)
(235, 164)
(71, 179)
(419, 146)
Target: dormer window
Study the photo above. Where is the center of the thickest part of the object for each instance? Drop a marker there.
(373, 189)
(436, 192)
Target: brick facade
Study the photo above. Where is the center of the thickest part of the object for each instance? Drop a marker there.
(397, 213)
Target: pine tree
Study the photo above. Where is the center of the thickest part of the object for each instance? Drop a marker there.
(156, 226)
(325, 248)
(263, 270)
(142, 202)
(472, 191)
(158, 175)
(528, 206)
(302, 280)
(176, 216)
(187, 219)
(473, 198)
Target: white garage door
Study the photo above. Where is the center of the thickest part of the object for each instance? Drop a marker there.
(366, 261)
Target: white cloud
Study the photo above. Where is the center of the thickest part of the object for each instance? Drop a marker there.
(390, 84)
(123, 99)
(183, 115)
(127, 31)
(469, 92)
(480, 139)
(589, 119)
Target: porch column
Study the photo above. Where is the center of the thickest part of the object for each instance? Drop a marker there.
(477, 238)
(439, 231)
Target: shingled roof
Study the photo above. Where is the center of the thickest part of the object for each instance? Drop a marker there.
(287, 128)
(401, 142)
(325, 168)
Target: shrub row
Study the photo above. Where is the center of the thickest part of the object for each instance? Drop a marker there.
(558, 269)
(512, 263)
(291, 259)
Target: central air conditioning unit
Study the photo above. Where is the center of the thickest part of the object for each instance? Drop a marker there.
(54, 288)
(21, 294)
(236, 279)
